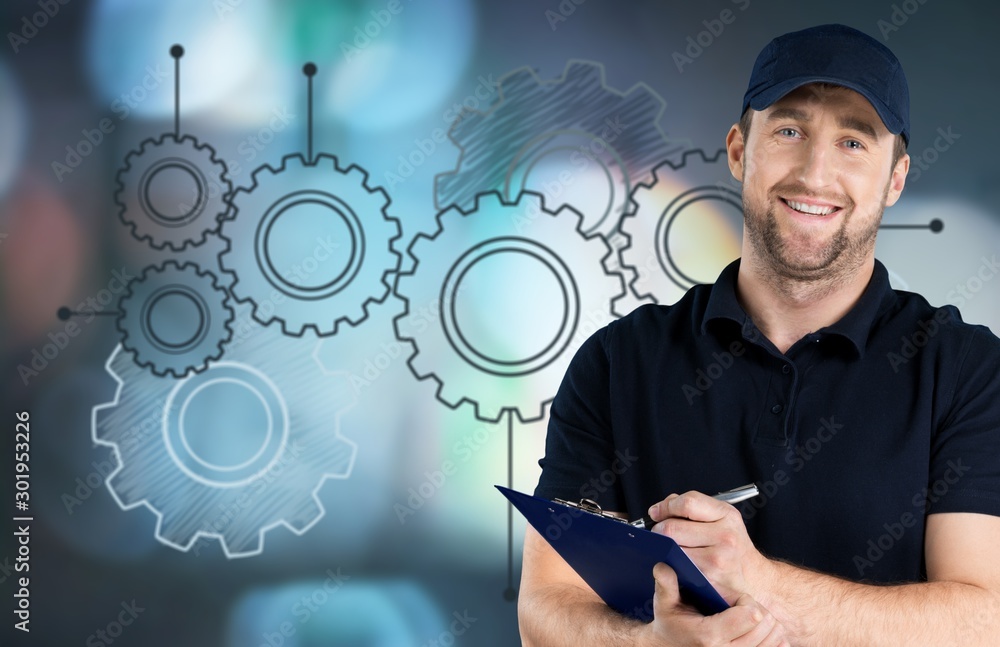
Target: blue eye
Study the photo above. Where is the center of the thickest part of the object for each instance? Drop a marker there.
(854, 144)
(788, 132)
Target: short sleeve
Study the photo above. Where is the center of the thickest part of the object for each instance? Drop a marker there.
(578, 445)
(965, 459)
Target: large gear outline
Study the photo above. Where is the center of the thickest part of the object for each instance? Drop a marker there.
(346, 193)
(145, 426)
(209, 200)
(656, 206)
(193, 287)
(465, 374)
(499, 147)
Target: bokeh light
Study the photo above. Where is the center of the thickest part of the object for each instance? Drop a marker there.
(14, 127)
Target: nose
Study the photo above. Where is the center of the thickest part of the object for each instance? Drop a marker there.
(816, 168)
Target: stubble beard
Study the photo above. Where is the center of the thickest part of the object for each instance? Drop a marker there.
(828, 266)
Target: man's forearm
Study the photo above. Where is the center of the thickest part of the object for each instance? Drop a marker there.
(561, 614)
(819, 609)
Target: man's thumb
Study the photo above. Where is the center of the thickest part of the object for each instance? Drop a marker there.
(667, 593)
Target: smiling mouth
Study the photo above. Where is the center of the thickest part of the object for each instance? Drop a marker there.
(811, 209)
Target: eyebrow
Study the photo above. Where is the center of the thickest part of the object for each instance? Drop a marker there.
(844, 121)
(860, 125)
(787, 113)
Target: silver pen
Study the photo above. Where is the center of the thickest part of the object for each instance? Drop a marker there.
(732, 497)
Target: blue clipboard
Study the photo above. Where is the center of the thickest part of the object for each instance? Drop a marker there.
(615, 558)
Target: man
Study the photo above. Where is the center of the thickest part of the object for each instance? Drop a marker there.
(870, 419)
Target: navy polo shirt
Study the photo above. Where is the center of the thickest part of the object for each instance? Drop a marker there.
(854, 434)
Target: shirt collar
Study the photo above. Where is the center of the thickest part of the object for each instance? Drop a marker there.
(855, 326)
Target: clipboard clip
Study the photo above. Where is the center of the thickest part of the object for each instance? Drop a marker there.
(732, 497)
(591, 506)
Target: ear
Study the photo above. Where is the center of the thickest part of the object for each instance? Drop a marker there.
(735, 148)
(897, 180)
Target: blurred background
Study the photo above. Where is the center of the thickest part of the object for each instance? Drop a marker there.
(276, 352)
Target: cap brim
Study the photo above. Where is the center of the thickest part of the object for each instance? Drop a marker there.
(769, 95)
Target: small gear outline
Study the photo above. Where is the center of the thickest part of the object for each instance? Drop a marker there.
(143, 336)
(345, 192)
(193, 223)
(648, 223)
(465, 374)
(146, 426)
(500, 146)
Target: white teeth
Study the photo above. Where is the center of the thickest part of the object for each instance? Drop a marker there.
(813, 210)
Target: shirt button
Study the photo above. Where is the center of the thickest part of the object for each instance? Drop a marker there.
(776, 408)
(786, 369)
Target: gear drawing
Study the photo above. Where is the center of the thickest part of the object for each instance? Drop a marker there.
(172, 192)
(565, 138)
(310, 244)
(499, 300)
(233, 451)
(174, 318)
(686, 225)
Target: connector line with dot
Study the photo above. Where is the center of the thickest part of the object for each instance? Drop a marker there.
(177, 51)
(65, 312)
(935, 225)
(511, 593)
(309, 69)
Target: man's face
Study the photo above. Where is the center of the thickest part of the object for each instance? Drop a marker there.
(817, 172)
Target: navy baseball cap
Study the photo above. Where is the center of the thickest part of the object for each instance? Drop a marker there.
(835, 54)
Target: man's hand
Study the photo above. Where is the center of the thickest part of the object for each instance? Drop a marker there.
(746, 624)
(714, 536)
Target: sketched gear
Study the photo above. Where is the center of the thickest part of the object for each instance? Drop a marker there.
(174, 318)
(563, 138)
(233, 451)
(172, 192)
(315, 235)
(686, 225)
(499, 300)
